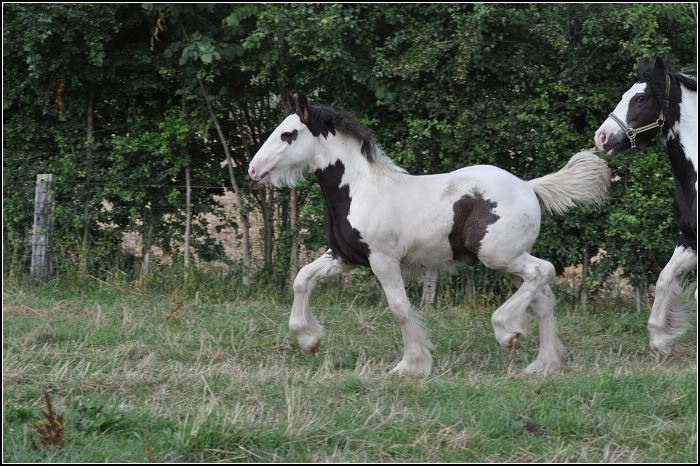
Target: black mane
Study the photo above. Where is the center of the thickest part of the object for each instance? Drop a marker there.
(325, 119)
(687, 81)
(654, 74)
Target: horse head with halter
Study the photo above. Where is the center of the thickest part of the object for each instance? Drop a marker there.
(643, 108)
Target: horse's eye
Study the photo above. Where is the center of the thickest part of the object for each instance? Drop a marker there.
(641, 99)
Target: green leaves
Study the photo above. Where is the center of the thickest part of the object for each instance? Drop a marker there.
(239, 14)
(442, 85)
(94, 417)
(640, 233)
(199, 49)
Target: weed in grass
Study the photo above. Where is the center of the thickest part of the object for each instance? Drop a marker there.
(173, 312)
(50, 428)
(150, 454)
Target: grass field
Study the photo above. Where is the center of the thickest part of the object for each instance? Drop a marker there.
(223, 381)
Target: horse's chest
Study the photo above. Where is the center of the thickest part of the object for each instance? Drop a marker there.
(344, 240)
(685, 207)
(685, 191)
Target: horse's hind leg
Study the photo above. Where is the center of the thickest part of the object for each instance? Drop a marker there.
(302, 323)
(552, 352)
(551, 355)
(511, 319)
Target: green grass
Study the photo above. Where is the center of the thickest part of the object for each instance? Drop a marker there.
(223, 381)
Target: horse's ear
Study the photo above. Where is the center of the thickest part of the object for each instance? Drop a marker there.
(660, 64)
(662, 67)
(663, 64)
(291, 103)
(303, 108)
(643, 69)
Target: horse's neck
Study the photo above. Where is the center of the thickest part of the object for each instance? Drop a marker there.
(335, 186)
(341, 163)
(682, 136)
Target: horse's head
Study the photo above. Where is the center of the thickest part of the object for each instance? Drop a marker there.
(640, 113)
(287, 153)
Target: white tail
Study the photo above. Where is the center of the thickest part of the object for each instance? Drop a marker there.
(584, 180)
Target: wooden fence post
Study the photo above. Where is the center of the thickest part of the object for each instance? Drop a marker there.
(583, 291)
(42, 266)
(429, 279)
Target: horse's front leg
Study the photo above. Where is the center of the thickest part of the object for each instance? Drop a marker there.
(669, 319)
(417, 358)
(302, 323)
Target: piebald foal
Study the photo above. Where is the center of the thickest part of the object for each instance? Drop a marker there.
(379, 216)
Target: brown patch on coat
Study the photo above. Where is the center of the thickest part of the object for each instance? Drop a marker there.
(472, 216)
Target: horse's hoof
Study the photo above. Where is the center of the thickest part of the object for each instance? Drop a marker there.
(661, 345)
(513, 345)
(412, 370)
(539, 368)
(313, 351)
(661, 354)
(310, 344)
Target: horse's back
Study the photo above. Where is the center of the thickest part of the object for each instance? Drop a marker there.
(500, 184)
(471, 208)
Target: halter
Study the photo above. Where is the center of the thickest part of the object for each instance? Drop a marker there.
(631, 133)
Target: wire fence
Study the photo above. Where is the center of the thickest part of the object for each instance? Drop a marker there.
(88, 225)
(149, 228)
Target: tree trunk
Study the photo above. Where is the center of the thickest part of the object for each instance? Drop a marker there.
(16, 248)
(91, 115)
(188, 220)
(265, 208)
(269, 227)
(237, 196)
(148, 245)
(85, 247)
(294, 248)
(90, 142)
(694, 9)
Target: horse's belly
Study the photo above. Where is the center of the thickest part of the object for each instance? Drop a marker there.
(432, 254)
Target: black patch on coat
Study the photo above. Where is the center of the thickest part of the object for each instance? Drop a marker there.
(289, 136)
(472, 216)
(687, 242)
(343, 240)
(684, 195)
(643, 109)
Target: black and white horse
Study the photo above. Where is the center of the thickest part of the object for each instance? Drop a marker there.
(664, 102)
(379, 216)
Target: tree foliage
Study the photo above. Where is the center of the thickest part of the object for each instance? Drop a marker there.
(520, 86)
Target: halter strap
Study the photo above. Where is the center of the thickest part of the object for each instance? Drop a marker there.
(631, 133)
